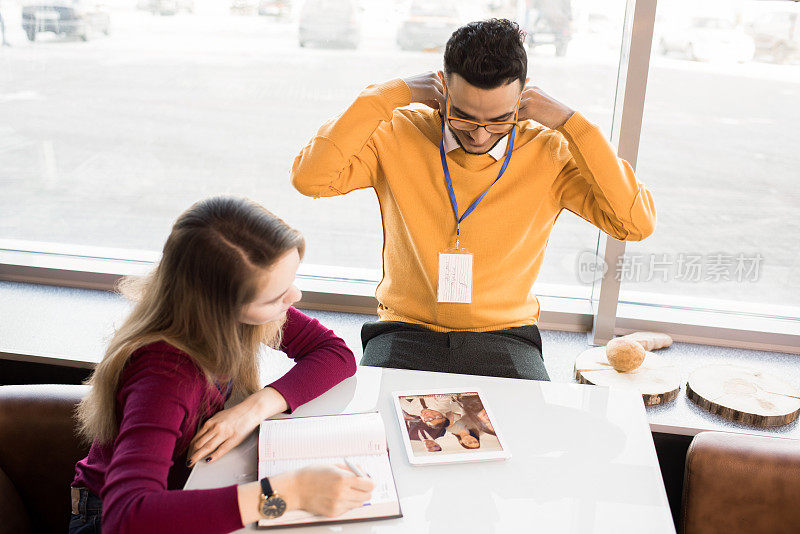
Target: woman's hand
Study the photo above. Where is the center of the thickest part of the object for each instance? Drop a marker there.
(326, 490)
(331, 490)
(227, 428)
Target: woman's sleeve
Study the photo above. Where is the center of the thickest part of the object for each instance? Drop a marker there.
(322, 360)
(159, 392)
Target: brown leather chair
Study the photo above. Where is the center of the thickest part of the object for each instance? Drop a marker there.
(38, 452)
(741, 484)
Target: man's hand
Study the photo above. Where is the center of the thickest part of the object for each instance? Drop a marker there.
(427, 89)
(483, 417)
(538, 106)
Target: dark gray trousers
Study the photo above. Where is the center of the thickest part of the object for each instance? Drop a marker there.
(512, 353)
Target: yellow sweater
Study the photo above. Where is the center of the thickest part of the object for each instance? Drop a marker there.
(396, 152)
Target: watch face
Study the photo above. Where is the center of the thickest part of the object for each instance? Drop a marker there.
(273, 507)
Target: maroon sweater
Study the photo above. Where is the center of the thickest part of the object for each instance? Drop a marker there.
(162, 401)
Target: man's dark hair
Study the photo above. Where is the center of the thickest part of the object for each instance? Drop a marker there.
(487, 53)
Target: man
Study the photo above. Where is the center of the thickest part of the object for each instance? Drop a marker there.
(469, 191)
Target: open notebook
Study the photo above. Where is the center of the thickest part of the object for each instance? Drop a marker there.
(287, 444)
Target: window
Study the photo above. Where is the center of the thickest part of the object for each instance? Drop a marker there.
(718, 153)
(583, 75)
(107, 140)
(117, 118)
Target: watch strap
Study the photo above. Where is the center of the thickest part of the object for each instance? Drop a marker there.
(266, 487)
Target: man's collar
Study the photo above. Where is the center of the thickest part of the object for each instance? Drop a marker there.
(498, 151)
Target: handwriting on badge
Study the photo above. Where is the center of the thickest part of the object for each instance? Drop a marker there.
(455, 278)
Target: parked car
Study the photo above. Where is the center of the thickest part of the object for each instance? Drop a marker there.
(708, 39)
(64, 17)
(428, 25)
(166, 7)
(776, 36)
(548, 22)
(243, 7)
(275, 8)
(330, 24)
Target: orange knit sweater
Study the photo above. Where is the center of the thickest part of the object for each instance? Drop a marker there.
(380, 144)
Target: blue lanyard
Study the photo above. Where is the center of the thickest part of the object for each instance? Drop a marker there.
(450, 182)
(227, 389)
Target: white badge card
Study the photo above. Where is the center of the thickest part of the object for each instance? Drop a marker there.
(455, 277)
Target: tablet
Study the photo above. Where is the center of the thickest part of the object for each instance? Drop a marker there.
(448, 426)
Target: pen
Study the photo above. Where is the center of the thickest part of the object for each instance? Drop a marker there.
(359, 473)
(354, 468)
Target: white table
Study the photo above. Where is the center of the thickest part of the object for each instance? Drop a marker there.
(583, 461)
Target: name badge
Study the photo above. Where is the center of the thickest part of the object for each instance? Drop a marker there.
(455, 277)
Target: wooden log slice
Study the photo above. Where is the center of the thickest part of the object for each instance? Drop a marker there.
(744, 395)
(656, 379)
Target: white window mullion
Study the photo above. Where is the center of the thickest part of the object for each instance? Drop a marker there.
(626, 127)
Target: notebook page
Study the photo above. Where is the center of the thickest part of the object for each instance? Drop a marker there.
(321, 437)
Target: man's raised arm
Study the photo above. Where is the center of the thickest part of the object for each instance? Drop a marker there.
(597, 185)
(342, 156)
(592, 182)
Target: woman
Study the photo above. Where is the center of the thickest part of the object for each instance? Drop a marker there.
(223, 286)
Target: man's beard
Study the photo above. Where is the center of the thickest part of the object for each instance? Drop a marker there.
(465, 148)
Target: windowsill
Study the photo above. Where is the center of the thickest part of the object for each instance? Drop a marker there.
(350, 290)
(78, 321)
(331, 288)
(715, 328)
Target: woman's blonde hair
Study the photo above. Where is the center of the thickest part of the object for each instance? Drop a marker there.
(210, 268)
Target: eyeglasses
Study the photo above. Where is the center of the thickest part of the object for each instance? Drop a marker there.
(466, 125)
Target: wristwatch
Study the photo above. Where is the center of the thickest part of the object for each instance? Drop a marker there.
(270, 504)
